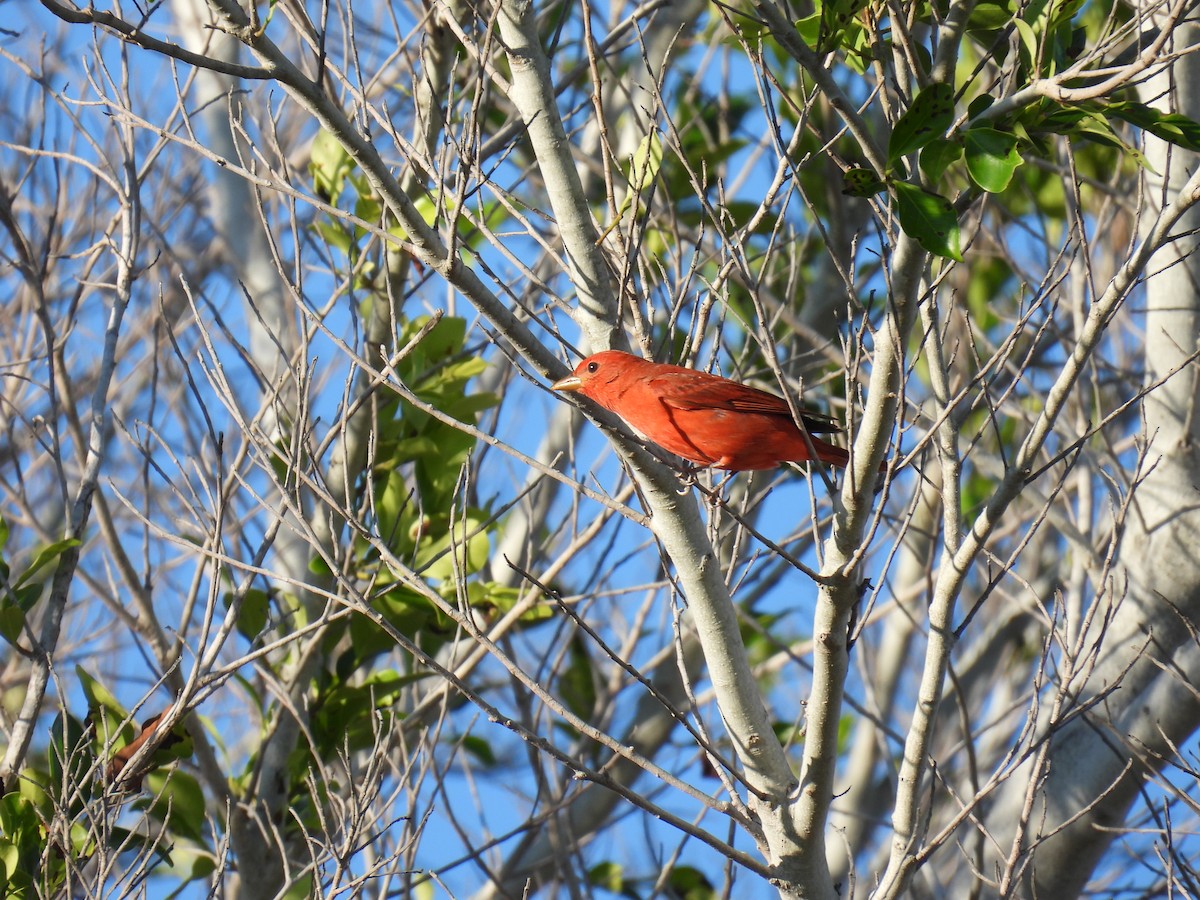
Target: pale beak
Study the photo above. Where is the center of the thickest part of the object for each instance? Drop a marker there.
(570, 384)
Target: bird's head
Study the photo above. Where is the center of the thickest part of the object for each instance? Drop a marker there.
(601, 376)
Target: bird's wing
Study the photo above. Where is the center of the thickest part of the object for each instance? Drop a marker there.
(698, 390)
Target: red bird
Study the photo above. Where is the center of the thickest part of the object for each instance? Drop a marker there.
(706, 419)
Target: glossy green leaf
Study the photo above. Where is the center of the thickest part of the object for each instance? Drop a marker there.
(809, 28)
(35, 784)
(10, 859)
(479, 748)
(408, 612)
(100, 697)
(467, 551)
(252, 616)
(980, 105)
(860, 50)
(335, 235)
(46, 556)
(70, 756)
(12, 622)
(862, 183)
(176, 799)
(444, 339)
(345, 714)
(646, 162)
(939, 156)
(688, 883)
(928, 119)
(1029, 42)
(27, 596)
(832, 25)
(989, 16)
(502, 598)
(1096, 127)
(577, 682)
(607, 875)
(992, 158)
(930, 219)
(329, 165)
(1171, 127)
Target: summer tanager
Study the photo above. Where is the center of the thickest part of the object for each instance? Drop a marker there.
(706, 419)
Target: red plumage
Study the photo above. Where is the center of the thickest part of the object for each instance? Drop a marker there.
(706, 419)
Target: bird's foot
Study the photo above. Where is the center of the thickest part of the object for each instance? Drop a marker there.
(688, 478)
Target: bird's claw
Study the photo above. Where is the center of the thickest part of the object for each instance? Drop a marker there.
(687, 479)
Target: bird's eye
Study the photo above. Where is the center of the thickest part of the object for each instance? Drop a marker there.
(592, 367)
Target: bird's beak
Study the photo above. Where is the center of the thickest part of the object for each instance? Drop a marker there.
(570, 384)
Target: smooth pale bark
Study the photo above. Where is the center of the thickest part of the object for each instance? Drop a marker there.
(861, 804)
(797, 857)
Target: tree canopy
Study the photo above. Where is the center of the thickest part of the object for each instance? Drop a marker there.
(311, 587)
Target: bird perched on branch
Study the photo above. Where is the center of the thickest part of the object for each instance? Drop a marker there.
(706, 419)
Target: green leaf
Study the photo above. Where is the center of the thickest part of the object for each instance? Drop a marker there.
(479, 748)
(252, 617)
(335, 236)
(1096, 127)
(202, 866)
(345, 714)
(992, 158)
(28, 595)
(330, 165)
(18, 817)
(368, 207)
(69, 757)
(989, 16)
(862, 183)
(647, 160)
(1029, 42)
(1170, 127)
(177, 800)
(809, 28)
(938, 156)
(22, 844)
(576, 683)
(467, 550)
(789, 734)
(46, 556)
(928, 119)
(10, 859)
(832, 22)
(930, 219)
(689, 883)
(34, 788)
(99, 697)
(12, 622)
(839, 14)
(301, 889)
(608, 876)
(860, 50)
(980, 105)
(407, 611)
(502, 598)
(845, 733)
(395, 513)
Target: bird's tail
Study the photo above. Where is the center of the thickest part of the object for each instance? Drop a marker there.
(830, 454)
